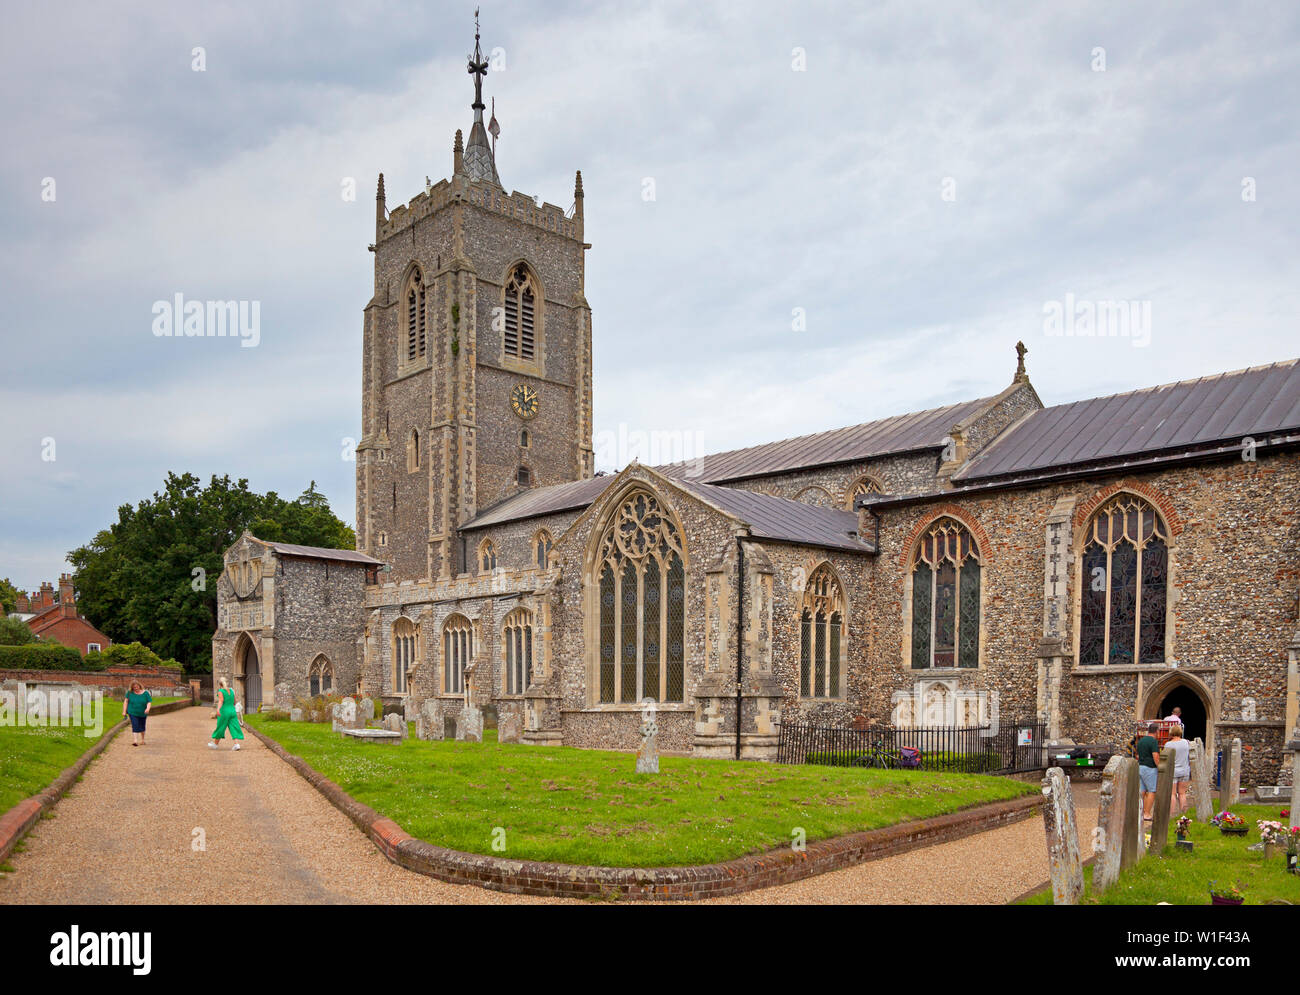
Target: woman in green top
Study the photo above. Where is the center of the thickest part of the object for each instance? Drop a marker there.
(136, 708)
(227, 716)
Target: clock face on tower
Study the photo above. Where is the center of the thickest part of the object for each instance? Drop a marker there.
(523, 399)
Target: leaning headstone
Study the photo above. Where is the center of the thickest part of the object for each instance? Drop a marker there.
(428, 723)
(1062, 839)
(647, 757)
(509, 728)
(295, 715)
(1230, 777)
(1164, 794)
(470, 726)
(1108, 841)
(1133, 849)
(395, 723)
(1201, 796)
(365, 710)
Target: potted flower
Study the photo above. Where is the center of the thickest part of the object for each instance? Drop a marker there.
(1232, 825)
(1292, 846)
(1181, 829)
(1231, 894)
(1273, 835)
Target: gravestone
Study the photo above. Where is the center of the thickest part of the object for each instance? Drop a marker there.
(295, 715)
(1201, 796)
(509, 728)
(428, 723)
(470, 727)
(409, 711)
(1112, 821)
(1160, 811)
(1062, 839)
(448, 727)
(490, 717)
(647, 757)
(345, 715)
(395, 723)
(1295, 786)
(365, 710)
(1230, 777)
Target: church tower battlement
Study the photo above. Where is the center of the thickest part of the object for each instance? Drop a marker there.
(476, 379)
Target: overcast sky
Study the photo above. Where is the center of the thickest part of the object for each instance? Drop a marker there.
(857, 210)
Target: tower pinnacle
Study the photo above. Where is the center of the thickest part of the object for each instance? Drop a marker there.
(479, 161)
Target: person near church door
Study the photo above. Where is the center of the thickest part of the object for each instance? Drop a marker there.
(227, 717)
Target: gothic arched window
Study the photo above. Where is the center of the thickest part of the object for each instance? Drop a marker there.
(457, 651)
(946, 597)
(517, 648)
(861, 486)
(520, 333)
(320, 677)
(487, 556)
(641, 604)
(542, 549)
(405, 635)
(821, 636)
(1125, 580)
(415, 316)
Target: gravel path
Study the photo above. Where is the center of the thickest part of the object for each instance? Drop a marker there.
(124, 835)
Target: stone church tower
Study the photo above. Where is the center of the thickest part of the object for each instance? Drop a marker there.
(476, 378)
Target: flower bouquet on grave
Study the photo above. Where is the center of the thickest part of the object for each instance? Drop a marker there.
(1232, 825)
(1292, 846)
(1232, 894)
(1184, 824)
(1273, 835)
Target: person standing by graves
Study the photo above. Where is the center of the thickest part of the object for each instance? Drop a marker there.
(1182, 769)
(1148, 752)
(136, 708)
(227, 717)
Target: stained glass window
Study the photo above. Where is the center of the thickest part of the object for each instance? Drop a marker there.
(821, 635)
(1124, 590)
(946, 598)
(517, 644)
(457, 649)
(642, 598)
(404, 639)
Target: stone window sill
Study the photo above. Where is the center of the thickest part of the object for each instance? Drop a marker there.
(1145, 668)
(674, 706)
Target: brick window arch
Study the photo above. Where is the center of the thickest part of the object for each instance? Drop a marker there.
(865, 484)
(1124, 588)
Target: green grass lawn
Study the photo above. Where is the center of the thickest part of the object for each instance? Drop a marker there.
(1183, 878)
(32, 757)
(589, 807)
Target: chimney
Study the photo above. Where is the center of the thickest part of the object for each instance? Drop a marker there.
(67, 600)
(20, 604)
(47, 595)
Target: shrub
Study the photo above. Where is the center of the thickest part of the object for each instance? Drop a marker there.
(132, 656)
(275, 715)
(320, 703)
(14, 632)
(40, 656)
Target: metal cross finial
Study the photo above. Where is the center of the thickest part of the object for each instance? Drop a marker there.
(477, 66)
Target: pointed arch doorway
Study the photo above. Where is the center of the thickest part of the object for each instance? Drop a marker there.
(1189, 694)
(248, 675)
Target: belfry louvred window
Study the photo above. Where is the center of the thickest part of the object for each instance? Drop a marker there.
(520, 315)
(1124, 585)
(415, 318)
(946, 598)
(641, 600)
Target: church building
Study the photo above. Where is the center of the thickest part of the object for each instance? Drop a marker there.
(1087, 564)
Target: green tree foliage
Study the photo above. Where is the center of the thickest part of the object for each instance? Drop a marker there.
(14, 632)
(151, 576)
(9, 593)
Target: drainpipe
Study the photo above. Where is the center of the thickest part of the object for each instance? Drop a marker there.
(740, 629)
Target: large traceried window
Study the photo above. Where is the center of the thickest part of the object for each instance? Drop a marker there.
(821, 636)
(320, 676)
(517, 647)
(457, 651)
(642, 605)
(1125, 580)
(946, 598)
(405, 635)
(416, 335)
(520, 314)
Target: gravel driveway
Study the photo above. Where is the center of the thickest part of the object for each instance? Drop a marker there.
(268, 836)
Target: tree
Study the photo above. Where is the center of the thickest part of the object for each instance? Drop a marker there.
(151, 576)
(9, 593)
(14, 632)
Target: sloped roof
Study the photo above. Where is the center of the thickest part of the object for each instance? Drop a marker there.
(784, 520)
(321, 553)
(1226, 407)
(898, 434)
(538, 501)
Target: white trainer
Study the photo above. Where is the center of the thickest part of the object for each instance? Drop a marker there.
(236, 746)
(211, 745)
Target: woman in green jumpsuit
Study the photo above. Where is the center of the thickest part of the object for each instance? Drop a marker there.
(227, 717)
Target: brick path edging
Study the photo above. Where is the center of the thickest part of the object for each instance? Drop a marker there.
(18, 821)
(732, 877)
